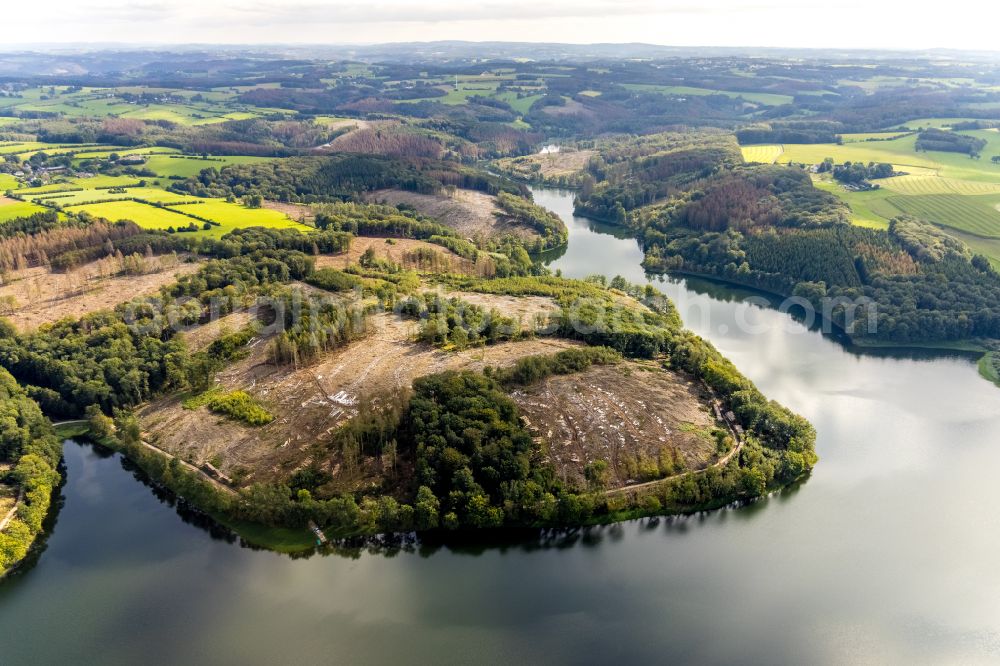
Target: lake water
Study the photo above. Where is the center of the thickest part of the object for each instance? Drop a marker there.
(888, 552)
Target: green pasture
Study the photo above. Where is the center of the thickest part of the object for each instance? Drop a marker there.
(768, 99)
(521, 105)
(9, 209)
(228, 216)
(188, 166)
(868, 209)
(972, 214)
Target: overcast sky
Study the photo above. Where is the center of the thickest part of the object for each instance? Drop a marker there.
(914, 24)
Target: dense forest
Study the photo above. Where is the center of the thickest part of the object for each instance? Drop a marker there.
(769, 228)
(29, 455)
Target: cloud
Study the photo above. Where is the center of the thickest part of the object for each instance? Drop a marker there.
(809, 23)
(519, 10)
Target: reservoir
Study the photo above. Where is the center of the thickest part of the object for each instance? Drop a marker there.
(888, 552)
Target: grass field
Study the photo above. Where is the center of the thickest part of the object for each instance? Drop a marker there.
(7, 182)
(11, 208)
(920, 184)
(104, 154)
(765, 154)
(951, 190)
(974, 215)
(869, 136)
(233, 216)
(988, 247)
(164, 165)
(935, 122)
(147, 217)
(768, 99)
(213, 107)
(868, 209)
(229, 216)
(83, 196)
(520, 105)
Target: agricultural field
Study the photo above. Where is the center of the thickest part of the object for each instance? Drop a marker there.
(974, 215)
(12, 208)
(922, 184)
(146, 216)
(952, 190)
(460, 96)
(187, 166)
(25, 149)
(123, 151)
(8, 182)
(78, 197)
(767, 99)
(522, 104)
(868, 209)
(939, 123)
(870, 136)
(235, 216)
(765, 154)
(192, 109)
(227, 216)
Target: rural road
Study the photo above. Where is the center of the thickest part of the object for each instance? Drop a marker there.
(149, 446)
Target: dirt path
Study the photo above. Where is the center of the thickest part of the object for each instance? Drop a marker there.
(13, 511)
(205, 475)
(151, 447)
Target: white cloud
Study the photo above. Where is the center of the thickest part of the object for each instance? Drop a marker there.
(891, 23)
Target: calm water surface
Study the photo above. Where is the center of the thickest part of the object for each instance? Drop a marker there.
(889, 552)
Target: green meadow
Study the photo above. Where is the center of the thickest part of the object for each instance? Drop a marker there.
(976, 215)
(521, 105)
(768, 99)
(150, 207)
(227, 216)
(951, 190)
(209, 107)
(10, 208)
(187, 165)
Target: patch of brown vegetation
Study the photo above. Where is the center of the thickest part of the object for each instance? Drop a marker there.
(387, 139)
(643, 421)
(41, 296)
(470, 213)
(891, 262)
(570, 108)
(566, 162)
(528, 309)
(346, 123)
(297, 212)
(396, 250)
(310, 403)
